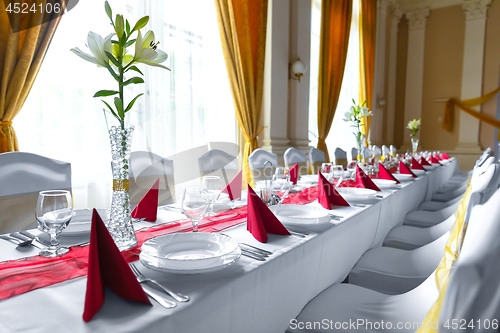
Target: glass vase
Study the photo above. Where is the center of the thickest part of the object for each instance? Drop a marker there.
(120, 221)
(360, 145)
(414, 145)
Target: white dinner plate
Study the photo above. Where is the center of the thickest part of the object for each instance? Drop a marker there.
(384, 183)
(418, 172)
(402, 177)
(190, 253)
(356, 193)
(309, 178)
(300, 215)
(81, 222)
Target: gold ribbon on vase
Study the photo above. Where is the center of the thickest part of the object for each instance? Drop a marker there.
(3, 136)
(466, 106)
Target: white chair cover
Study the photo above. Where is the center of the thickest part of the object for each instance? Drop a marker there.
(385, 150)
(316, 155)
(257, 161)
(22, 176)
(292, 155)
(218, 163)
(145, 168)
(354, 154)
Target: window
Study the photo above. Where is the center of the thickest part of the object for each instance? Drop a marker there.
(340, 134)
(181, 109)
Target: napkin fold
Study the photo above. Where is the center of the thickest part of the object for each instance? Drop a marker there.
(260, 220)
(416, 165)
(434, 160)
(383, 173)
(328, 196)
(147, 207)
(233, 188)
(294, 174)
(445, 156)
(403, 169)
(362, 180)
(423, 161)
(107, 268)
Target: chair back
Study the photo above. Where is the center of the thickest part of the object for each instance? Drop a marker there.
(340, 157)
(316, 159)
(145, 168)
(473, 292)
(257, 160)
(354, 154)
(385, 150)
(22, 177)
(218, 163)
(294, 156)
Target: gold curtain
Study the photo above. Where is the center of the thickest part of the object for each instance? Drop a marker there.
(334, 39)
(367, 34)
(242, 26)
(466, 105)
(21, 55)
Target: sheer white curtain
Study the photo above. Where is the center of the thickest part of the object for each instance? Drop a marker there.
(340, 133)
(181, 109)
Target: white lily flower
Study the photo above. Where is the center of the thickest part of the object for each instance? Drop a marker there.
(98, 47)
(146, 52)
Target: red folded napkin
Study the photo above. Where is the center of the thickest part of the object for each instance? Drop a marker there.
(233, 188)
(362, 180)
(260, 220)
(148, 206)
(445, 156)
(423, 161)
(383, 173)
(403, 169)
(107, 268)
(328, 195)
(294, 174)
(434, 160)
(416, 165)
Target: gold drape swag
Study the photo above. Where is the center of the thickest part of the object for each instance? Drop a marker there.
(21, 55)
(466, 106)
(334, 39)
(242, 26)
(367, 36)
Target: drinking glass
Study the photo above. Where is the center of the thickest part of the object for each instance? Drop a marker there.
(337, 174)
(213, 185)
(326, 171)
(194, 204)
(54, 210)
(282, 183)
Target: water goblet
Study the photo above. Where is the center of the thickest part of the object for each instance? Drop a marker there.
(282, 183)
(54, 210)
(337, 174)
(326, 170)
(213, 185)
(194, 204)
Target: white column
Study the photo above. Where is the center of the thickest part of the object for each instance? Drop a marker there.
(390, 104)
(275, 106)
(377, 121)
(414, 68)
(298, 98)
(472, 72)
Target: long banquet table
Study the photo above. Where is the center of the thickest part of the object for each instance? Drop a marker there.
(248, 296)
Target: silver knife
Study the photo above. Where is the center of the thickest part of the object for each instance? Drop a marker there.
(36, 238)
(252, 255)
(157, 297)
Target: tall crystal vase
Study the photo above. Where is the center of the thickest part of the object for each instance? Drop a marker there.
(360, 145)
(414, 144)
(120, 222)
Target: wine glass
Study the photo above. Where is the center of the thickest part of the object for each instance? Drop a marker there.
(213, 186)
(326, 171)
(194, 204)
(54, 210)
(282, 182)
(337, 174)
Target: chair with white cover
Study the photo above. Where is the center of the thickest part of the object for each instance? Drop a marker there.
(410, 237)
(354, 154)
(376, 153)
(294, 156)
(145, 168)
(385, 150)
(340, 156)
(218, 163)
(395, 271)
(316, 159)
(257, 162)
(22, 177)
(393, 150)
(472, 290)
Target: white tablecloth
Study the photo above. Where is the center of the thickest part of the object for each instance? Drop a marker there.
(249, 296)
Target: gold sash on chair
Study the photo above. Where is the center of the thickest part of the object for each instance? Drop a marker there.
(316, 166)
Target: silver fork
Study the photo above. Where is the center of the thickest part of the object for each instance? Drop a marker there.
(141, 278)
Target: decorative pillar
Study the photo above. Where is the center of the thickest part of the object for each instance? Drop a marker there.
(378, 119)
(298, 98)
(472, 73)
(390, 104)
(414, 68)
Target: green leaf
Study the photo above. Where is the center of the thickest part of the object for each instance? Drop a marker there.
(134, 80)
(130, 42)
(134, 68)
(110, 109)
(119, 107)
(108, 10)
(113, 59)
(123, 39)
(141, 23)
(129, 106)
(104, 93)
(127, 27)
(115, 76)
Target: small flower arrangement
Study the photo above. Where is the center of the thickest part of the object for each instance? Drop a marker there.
(413, 126)
(355, 114)
(112, 53)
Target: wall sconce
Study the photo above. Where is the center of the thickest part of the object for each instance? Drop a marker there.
(381, 103)
(296, 70)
